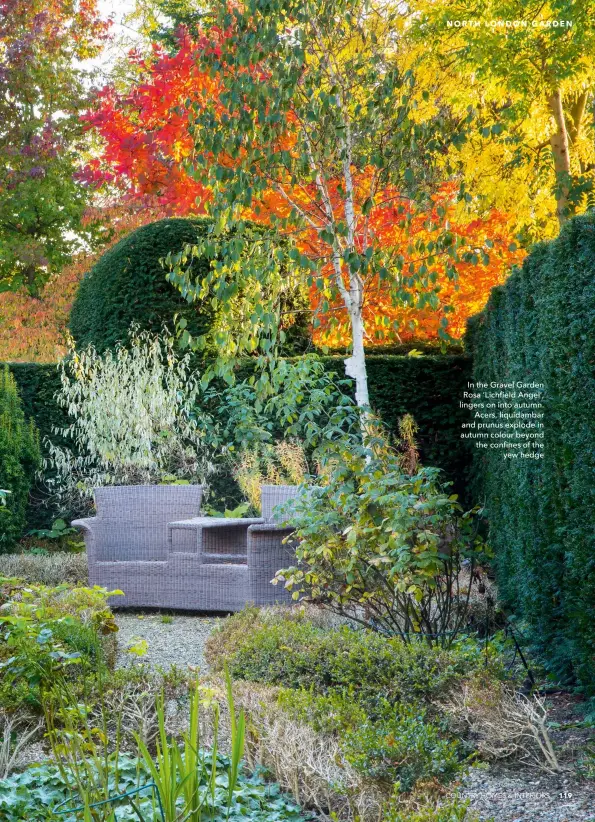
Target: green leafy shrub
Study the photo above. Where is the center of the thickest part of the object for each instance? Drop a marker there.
(381, 542)
(48, 633)
(128, 285)
(453, 811)
(133, 420)
(402, 748)
(41, 602)
(287, 649)
(82, 639)
(367, 708)
(59, 537)
(397, 746)
(540, 328)
(19, 458)
(32, 659)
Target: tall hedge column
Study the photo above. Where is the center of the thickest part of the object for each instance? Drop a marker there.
(540, 326)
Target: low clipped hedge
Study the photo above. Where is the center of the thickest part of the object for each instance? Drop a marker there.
(287, 649)
(540, 327)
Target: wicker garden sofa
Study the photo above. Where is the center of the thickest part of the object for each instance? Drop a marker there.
(151, 543)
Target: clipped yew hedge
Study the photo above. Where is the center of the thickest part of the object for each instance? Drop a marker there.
(128, 285)
(428, 387)
(540, 326)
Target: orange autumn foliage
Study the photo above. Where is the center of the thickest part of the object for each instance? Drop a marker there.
(146, 134)
(34, 330)
(486, 253)
(147, 143)
(148, 146)
(147, 139)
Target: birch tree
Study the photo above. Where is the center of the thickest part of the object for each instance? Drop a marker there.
(311, 127)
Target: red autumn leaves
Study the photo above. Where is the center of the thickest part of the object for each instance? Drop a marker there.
(148, 149)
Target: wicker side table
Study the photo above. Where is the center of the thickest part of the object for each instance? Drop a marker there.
(218, 539)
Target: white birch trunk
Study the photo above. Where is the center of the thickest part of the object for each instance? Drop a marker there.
(355, 366)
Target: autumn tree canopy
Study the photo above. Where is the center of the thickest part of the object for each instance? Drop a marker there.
(42, 95)
(34, 328)
(149, 148)
(145, 126)
(532, 81)
(312, 126)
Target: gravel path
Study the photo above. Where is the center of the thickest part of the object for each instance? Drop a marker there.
(180, 642)
(508, 796)
(495, 793)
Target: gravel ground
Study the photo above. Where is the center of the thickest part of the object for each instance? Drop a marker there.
(179, 642)
(508, 796)
(496, 793)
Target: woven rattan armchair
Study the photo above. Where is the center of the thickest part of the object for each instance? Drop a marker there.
(267, 550)
(127, 540)
(151, 543)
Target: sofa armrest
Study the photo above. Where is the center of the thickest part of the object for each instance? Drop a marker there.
(268, 553)
(87, 527)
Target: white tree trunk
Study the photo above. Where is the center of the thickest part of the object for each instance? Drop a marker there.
(355, 366)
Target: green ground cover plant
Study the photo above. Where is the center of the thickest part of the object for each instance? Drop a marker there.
(33, 793)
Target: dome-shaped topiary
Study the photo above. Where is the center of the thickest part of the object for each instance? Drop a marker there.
(128, 285)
